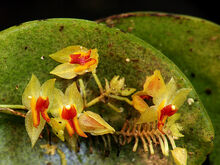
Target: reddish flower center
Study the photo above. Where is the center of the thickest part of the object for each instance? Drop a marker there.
(79, 59)
(39, 107)
(69, 113)
(166, 112)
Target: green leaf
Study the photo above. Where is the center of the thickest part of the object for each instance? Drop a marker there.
(33, 132)
(193, 44)
(27, 47)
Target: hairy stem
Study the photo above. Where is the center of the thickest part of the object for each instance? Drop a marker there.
(121, 99)
(11, 112)
(14, 106)
(97, 81)
(83, 89)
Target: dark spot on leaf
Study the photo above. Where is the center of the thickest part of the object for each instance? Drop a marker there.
(25, 48)
(190, 49)
(193, 75)
(208, 91)
(60, 122)
(135, 60)
(110, 45)
(191, 129)
(49, 163)
(61, 28)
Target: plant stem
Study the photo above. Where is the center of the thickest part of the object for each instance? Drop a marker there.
(97, 81)
(121, 99)
(82, 87)
(94, 101)
(14, 106)
(11, 112)
(114, 108)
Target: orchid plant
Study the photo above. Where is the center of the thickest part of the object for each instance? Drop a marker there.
(68, 112)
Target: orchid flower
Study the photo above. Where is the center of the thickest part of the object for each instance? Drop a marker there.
(38, 100)
(76, 60)
(66, 110)
(166, 100)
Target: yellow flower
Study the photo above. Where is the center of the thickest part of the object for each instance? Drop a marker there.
(76, 60)
(38, 100)
(65, 110)
(165, 97)
(93, 123)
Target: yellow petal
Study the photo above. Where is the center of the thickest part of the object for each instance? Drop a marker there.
(139, 104)
(154, 84)
(33, 132)
(63, 56)
(57, 103)
(65, 71)
(94, 55)
(174, 127)
(149, 115)
(47, 90)
(58, 125)
(166, 94)
(72, 96)
(180, 97)
(179, 156)
(31, 90)
(94, 124)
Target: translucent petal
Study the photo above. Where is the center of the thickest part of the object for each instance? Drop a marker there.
(33, 132)
(65, 71)
(179, 156)
(31, 90)
(149, 115)
(154, 84)
(57, 103)
(180, 97)
(174, 127)
(72, 96)
(47, 90)
(58, 126)
(139, 104)
(94, 55)
(170, 90)
(63, 56)
(94, 124)
(114, 83)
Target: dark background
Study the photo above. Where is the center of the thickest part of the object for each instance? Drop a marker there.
(16, 12)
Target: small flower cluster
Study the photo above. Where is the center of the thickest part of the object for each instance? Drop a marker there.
(67, 112)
